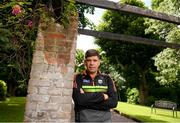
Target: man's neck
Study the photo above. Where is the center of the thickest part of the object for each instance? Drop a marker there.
(92, 75)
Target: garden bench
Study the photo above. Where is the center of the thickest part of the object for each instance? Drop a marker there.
(165, 105)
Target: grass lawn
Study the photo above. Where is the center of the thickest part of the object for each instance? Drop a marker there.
(143, 113)
(12, 110)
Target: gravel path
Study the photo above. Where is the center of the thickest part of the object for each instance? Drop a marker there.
(116, 117)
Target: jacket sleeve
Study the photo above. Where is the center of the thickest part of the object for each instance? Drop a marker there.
(112, 93)
(84, 99)
(112, 101)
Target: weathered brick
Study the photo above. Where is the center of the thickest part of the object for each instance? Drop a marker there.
(39, 98)
(53, 49)
(32, 90)
(48, 106)
(67, 85)
(55, 91)
(31, 106)
(59, 28)
(66, 108)
(55, 35)
(43, 90)
(49, 42)
(50, 86)
(60, 99)
(64, 70)
(27, 119)
(50, 76)
(60, 43)
(67, 92)
(62, 50)
(60, 115)
(60, 62)
(59, 120)
(38, 59)
(40, 83)
(71, 37)
(37, 68)
(42, 116)
(31, 114)
(40, 44)
(59, 83)
(50, 57)
(48, 69)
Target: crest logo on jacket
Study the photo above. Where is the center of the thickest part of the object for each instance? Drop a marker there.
(100, 81)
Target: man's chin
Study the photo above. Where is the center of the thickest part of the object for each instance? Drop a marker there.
(92, 71)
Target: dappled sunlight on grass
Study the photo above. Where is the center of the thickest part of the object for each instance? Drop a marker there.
(13, 104)
(12, 110)
(143, 113)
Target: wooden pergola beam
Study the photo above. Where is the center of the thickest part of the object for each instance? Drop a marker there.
(131, 9)
(132, 39)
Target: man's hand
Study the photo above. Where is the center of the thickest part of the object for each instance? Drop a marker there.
(81, 91)
(105, 96)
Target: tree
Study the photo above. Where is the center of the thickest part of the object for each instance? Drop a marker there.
(168, 61)
(168, 65)
(133, 60)
(107, 68)
(159, 27)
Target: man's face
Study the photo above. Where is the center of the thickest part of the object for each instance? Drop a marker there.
(92, 64)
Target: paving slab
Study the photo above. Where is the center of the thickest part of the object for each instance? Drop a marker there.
(116, 117)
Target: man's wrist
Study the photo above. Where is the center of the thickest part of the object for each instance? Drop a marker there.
(105, 96)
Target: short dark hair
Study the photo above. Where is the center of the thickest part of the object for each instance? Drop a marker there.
(92, 52)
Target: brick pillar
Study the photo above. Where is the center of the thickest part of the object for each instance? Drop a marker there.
(49, 96)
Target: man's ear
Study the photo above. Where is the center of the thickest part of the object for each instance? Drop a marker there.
(85, 64)
(84, 61)
(100, 61)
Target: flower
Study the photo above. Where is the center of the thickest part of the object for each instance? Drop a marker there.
(16, 10)
(30, 24)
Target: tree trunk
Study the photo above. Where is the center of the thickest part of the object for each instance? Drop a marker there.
(143, 89)
(11, 89)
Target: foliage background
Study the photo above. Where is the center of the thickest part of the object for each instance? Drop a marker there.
(153, 71)
(18, 31)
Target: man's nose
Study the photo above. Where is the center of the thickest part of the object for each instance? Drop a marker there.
(91, 62)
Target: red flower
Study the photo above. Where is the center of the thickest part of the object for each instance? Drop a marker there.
(16, 10)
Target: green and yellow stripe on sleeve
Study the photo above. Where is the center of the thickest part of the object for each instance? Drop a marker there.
(95, 88)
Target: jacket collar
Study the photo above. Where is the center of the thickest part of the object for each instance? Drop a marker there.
(85, 72)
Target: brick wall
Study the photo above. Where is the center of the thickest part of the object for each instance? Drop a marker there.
(50, 85)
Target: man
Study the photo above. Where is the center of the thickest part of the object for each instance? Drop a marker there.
(94, 93)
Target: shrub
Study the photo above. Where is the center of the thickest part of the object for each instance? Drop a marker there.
(22, 88)
(3, 90)
(150, 100)
(165, 93)
(133, 96)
